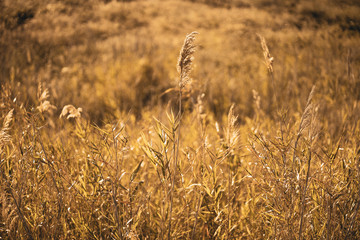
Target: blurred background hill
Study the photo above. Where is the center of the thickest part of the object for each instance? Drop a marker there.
(113, 56)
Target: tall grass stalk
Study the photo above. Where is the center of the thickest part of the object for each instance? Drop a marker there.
(304, 122)
(184, 67)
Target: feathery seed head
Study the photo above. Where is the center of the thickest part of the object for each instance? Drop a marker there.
(306, 118)
(44, 95)
(268, 58)
(45, 105)
(232, 132)
(8, 119)
(185, 59)
(4, 136)
(71, 111)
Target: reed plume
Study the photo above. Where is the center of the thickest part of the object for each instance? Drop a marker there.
(232, 132)
(45, 105)
(71, 112)
(307, 115)
(306, 119)
(4, 136)
(184, 68)
(185, 59)
(267, 56)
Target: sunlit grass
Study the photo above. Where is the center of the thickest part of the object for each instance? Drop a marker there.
(106, 133)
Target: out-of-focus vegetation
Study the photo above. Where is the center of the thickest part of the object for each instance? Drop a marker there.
(257, 152)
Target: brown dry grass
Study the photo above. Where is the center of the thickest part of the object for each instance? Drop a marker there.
(246, 151)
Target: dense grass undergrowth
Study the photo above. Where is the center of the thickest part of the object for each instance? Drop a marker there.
(107, 132)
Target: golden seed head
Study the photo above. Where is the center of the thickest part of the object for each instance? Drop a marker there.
(186, 59)
(71, 112)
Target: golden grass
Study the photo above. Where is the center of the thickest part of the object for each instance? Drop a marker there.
(245, 151)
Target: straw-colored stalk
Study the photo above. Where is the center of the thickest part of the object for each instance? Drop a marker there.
(184, 67)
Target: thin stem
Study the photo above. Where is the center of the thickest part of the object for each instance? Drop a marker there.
(114, 185)
(229, 201)
(176, 152)
(304, 196)
(196, 217)
(20, 214)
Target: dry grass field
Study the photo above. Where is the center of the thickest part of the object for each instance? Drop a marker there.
(174, 119)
